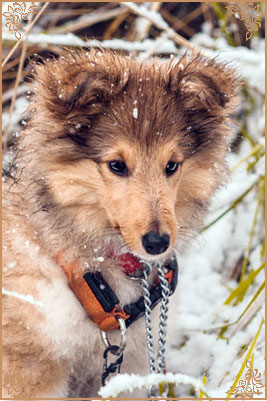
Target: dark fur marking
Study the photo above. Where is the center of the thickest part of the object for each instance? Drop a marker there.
(73, 99)
(77, 139)
(155, 226)
(221, 97)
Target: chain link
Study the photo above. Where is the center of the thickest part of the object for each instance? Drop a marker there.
(165, 292)
(114, 367)
(156, 366)
(148, 322)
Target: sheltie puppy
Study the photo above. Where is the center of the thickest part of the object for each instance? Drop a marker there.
(118, 157)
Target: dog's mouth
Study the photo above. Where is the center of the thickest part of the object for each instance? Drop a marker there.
(129, 262)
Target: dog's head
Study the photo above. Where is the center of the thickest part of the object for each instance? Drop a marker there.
(133, 149)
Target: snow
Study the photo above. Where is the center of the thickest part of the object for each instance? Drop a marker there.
(123, 382)
(21, 105)
(99, 259)
(249, 62)
(135, 113)
(23, 297)
(152, 16)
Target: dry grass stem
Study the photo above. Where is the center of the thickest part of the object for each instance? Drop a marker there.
(248, 314)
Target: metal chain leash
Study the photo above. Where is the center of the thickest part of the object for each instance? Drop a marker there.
(156, 366)
(165, 292)
(148, 322)
(162, 291)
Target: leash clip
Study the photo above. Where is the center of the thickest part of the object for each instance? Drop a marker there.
(116, 350)
(123, 336)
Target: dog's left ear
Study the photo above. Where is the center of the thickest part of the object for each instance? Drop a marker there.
(201, 83)
(78, 82)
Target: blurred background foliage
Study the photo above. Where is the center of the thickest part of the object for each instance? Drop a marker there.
(110, 20)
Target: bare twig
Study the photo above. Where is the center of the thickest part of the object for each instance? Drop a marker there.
(143, 27)
(159, 22)
(90, 19)
(10, 65)
(114, 25)
(190, 17)
(177, 24)
(8, 95)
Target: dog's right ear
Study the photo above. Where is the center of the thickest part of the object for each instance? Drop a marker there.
(64, 87)
(204, 84)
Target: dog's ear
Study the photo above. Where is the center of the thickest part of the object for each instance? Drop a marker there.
(201, 83)
(64, 87)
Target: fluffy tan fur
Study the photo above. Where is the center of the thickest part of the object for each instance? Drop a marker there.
(88, 109)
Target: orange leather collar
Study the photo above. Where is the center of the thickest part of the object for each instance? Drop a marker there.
(100, 302)
(106, 321)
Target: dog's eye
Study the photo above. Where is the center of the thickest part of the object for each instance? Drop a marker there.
(171, 168)
(118, 167)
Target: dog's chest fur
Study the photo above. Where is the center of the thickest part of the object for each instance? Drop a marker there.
(61, 326)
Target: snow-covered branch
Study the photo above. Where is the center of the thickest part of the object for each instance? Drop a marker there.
(156, 19)
(70, 39)
(125, 382)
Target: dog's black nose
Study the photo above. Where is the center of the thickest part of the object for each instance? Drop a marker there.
(154, 243)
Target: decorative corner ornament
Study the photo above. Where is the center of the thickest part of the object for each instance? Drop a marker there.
(250, 386)
(250, 15)
(17, 12)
